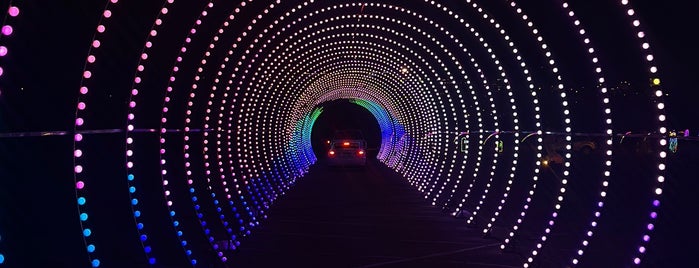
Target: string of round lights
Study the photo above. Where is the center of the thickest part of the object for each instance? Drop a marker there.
(78, 155)
(168, 191)
(449, 95)
(131, 139)
(6, 31)
(609, 140)
(652, 71)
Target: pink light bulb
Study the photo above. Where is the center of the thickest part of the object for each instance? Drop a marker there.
(7, 30)
(13, 11)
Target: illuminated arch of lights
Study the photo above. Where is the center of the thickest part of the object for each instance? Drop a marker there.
(6, 32)
(455, 96)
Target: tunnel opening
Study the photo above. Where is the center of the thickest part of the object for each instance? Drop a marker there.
(342, 114)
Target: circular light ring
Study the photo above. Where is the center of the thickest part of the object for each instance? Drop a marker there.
(539, 132)
(525, 71)
(78, 168)
(130, 138)
(494, 111)
(188, 118)
(323, 82)
(608, 125)
(349, 84)
(375, 70)
(262, 191)
(164, 115)
(389, 125)
(215, 152)
(567, 124)
(652, 71)
(411, 162)
(236, 207)
(485, 83)
(12, 11)
(385, 121)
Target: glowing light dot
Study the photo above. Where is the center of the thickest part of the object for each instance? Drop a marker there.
(80, 185)
(3, 51)
(7, 30)
(14, 12)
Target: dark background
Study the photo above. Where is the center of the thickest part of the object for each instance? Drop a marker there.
(39, 224)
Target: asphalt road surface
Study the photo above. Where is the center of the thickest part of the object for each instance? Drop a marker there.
(367, 217)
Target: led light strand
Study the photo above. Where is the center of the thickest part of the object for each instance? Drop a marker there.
(191, 177)
(662, 129)
(608, 144)
(130, 138)
(6, 30)
(167, 190)
(78, 169)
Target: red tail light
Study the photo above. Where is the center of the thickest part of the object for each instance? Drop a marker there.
(331, 153)
(361, 152)
(346, 144)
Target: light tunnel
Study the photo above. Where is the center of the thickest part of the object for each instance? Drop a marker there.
(482, 107)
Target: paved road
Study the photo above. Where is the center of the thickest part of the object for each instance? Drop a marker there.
(363, 218)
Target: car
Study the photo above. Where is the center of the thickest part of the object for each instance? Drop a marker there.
(347, 152)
